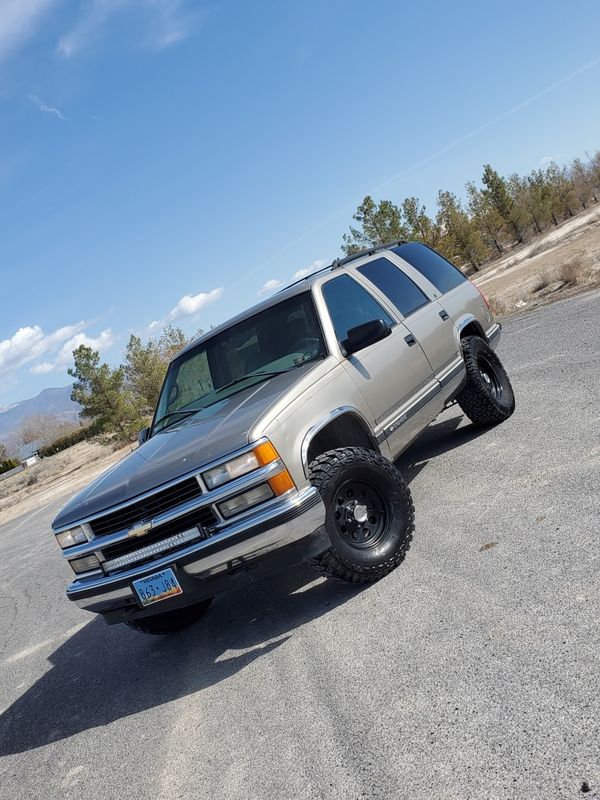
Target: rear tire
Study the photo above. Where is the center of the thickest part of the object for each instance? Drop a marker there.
(170, 621)
(487, 398)
(369, 514)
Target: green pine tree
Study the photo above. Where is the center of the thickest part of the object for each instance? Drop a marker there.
(104, 396)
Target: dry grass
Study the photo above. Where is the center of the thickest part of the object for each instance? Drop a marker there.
(579, 270)
(540, 248)
(500, 307)
(540, 282)
(56, 476)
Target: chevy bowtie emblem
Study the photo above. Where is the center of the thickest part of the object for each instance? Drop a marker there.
(140, 530)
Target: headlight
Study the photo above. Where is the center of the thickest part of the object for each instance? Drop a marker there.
(84, 564)
(231, 469)
(72, 537)
(262, 454)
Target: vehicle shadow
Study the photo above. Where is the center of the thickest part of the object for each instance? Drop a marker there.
(436, 439)
(104, 673)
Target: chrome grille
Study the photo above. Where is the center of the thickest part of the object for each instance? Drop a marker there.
(146, 509)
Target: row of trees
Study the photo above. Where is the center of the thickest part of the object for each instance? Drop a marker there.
(37, 431)
(120, 400)
(494, 216)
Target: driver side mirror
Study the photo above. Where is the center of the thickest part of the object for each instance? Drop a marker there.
(143, 435)
(366, 334)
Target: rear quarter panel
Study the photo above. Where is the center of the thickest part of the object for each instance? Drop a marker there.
(465, 304)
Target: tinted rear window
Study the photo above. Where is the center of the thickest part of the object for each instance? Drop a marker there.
(444, 275)
(395, 285)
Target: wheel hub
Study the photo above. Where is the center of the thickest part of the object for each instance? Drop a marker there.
(359, 514)
(490, 378)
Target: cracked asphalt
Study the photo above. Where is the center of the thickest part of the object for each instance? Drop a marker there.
(472, 671)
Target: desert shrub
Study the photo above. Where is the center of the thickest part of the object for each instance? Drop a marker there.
(65, 441)
(540, 282)
(8, 463)
(499, 307)
(579, 269)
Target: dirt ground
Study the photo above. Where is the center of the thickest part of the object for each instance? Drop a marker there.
(563, 262)
(55, 477)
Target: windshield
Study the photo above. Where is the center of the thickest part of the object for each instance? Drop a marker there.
(280, 338)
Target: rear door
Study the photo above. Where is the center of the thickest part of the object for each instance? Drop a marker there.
(428, 321)
(393, 375)
(446, 283)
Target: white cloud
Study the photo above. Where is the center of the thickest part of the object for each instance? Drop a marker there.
(192, 304)
(64, 357)
(45, 108)
(164, 21)
(269, 286)
(18, 20)
(41, 369)
(314, 267)
(31, 342)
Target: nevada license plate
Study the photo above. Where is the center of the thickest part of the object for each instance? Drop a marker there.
(156, 587)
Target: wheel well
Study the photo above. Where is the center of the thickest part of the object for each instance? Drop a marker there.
(473, 328)
(347, 430)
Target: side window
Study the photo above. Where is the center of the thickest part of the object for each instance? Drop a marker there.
(350, 305)
(432, 265)
(395, 285)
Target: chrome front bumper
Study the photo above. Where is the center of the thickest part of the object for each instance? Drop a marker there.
(198, 565)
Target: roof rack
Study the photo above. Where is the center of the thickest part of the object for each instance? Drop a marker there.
(368, 251)
(303, 278)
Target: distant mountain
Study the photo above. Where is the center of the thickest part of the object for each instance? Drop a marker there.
(48, 403)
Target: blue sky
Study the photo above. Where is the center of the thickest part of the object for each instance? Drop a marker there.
(166, 160)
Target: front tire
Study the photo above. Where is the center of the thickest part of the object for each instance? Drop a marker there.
(487, 398)
(170, 621)
(369, 514)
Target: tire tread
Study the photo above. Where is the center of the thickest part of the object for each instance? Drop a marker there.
(479, 406)
(330, 563)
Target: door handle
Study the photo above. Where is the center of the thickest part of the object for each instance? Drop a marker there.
(410, 340)
(444, 314)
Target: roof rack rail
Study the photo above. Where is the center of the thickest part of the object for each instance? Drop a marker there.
(303, 278)
(368, 251)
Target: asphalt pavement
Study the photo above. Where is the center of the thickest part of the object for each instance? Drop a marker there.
(472, 671)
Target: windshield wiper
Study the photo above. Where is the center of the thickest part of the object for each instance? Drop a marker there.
(181, 412)
(251, 375)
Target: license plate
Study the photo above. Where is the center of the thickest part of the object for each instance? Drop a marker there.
(159, 586)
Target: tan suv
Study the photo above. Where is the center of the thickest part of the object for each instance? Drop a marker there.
(275, 436)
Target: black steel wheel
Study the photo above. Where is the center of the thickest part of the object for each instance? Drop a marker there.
(487, 397)
(369, 514)
(360, 513)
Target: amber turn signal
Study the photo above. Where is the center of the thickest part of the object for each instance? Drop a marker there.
(265, 453)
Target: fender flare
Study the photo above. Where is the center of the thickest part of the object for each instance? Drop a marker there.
(324, 421)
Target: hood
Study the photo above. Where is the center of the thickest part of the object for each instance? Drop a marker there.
(212, 433)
